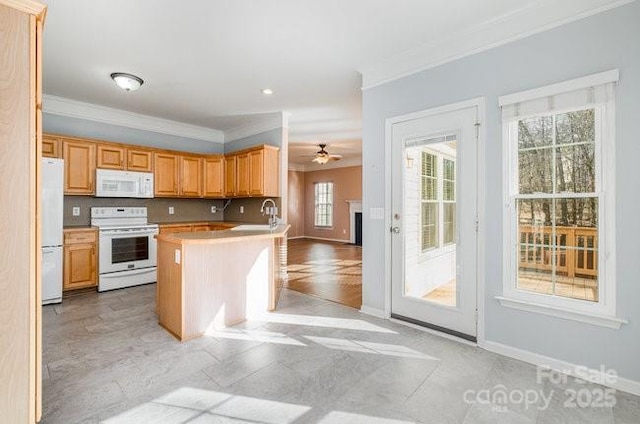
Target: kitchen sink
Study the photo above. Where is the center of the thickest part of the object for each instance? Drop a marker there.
(252, 227)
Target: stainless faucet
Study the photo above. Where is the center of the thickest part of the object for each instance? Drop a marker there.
(272, 211)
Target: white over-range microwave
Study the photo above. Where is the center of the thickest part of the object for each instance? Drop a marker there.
(111, 183)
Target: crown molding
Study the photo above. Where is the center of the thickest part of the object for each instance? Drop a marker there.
(264, 124)
(311, 166)
(529, 20)
(295, 167)
(75, 109)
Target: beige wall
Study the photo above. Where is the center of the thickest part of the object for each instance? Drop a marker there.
(296, 203)
(347, 185)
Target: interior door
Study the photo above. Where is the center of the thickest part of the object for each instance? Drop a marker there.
(434, 194)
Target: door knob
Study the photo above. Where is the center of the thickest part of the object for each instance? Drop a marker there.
(395, 230)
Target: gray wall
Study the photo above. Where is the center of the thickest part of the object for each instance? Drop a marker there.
(76, 127)
(252, 206)
(595, 44)
(272, 137)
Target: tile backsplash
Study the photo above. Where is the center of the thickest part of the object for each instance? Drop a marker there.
(158, 209)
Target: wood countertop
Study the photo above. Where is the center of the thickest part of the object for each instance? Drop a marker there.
(223, 236)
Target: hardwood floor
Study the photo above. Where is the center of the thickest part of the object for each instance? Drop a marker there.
(329, 270)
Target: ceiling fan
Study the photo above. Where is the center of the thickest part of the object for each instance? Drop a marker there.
(322, 156)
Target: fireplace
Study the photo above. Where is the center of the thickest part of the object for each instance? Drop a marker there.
(355, 207)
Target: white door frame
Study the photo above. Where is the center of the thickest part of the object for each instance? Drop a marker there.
(478, 102)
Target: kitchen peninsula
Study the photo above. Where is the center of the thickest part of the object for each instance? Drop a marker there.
(212, 279)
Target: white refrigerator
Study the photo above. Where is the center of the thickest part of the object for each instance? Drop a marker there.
(52, 184)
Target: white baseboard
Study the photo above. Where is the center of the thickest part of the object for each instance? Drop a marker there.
(378, 313)
(622, 384)
(295, 238)
(326, 239)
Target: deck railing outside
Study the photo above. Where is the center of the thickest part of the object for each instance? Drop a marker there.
(575, 250)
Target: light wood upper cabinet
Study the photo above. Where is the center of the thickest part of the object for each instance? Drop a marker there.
(191, 176)
(80, 268)
(230, 175)
(79, 167)
(268, 184)
(258, 172)
(114, 156)
(214, 176)
(166, 175)
(51, 147)
(243, 174)
(111, 156)
(139, 160)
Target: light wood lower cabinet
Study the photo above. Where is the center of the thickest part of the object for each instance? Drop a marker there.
(80, 259)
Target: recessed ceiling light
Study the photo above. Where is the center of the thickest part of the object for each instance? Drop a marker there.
(127, 82)
(267, 91)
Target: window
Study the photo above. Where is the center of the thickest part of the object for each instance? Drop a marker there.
(324, 204)
(438, 211)
(559, 193)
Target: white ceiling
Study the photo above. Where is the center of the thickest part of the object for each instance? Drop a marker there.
(204, 62)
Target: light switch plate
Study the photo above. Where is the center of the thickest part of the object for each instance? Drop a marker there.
(241, 209)
(177, 256)
(171, 210)
(76, 211)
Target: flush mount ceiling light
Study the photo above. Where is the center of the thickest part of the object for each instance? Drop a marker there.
(267, 91)
(127, 82)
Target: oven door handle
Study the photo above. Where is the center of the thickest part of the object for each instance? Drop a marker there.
(128, 234)
(118, 274)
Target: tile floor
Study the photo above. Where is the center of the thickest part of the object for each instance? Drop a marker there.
(313, 361)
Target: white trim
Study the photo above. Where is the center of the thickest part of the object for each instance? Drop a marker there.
(295, 238)
(480, 104)
(561, 87)
(560, 312)
(622, 384)
(534, 18)
(605, 192)
(260, 125)
(326, 239)
(480, 235)
(74, 109)
(378, 313)
(355, 206)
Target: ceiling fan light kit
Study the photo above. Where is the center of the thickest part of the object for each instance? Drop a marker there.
(322, 156)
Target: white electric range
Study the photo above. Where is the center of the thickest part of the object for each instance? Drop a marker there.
(127, 247)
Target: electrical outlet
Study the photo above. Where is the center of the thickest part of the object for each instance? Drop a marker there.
(171, 210)
(241, 209)
(214, 209)
(76, 211)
